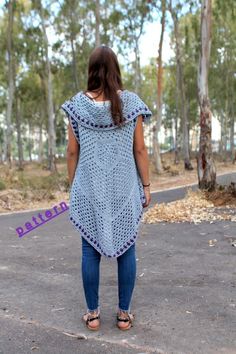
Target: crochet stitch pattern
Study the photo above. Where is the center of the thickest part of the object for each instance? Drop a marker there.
(106, 195)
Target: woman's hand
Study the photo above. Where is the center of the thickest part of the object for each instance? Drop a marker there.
(147, 196)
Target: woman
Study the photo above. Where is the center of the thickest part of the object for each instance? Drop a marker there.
(108, 173)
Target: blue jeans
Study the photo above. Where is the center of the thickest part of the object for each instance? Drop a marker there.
(90, 275)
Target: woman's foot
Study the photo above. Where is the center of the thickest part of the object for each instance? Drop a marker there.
(124, 320)
(92, 320)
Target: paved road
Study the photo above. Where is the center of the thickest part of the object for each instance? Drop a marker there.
(184, 299)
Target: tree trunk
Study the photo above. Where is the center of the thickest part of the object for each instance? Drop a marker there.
(221, 120)
(181, 86)
(11, 83)
(74, 64)
(30, 144)
(176, 141)
(1, 154)
(50, 110)
(18, 128)
(157, 155)
(226, 118)
(135, 39)
(176, 124)
(73, 19)
(40, 147)
(232, 147)
(205, 162)
(40, 151)
(1, 145)
(97, 15)
(188, 130)
(232, 132)
(137, 72)
(232, 123)
(223, 135)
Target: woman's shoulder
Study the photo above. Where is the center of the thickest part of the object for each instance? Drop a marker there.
(130, 96)
(129, 92)
(133, 97)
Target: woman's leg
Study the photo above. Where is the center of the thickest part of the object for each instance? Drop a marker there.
(126, 277)
(90, 274)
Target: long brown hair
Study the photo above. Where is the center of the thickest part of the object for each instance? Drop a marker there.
(104, 76)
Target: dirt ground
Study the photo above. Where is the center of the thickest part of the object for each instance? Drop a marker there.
(177, 176)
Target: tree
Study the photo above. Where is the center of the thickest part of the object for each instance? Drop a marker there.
(132, 22)
(223, 52)
(205, 163)
(69, 22)
(181, 88)
(50, 108)
(18, 128)
(97, 26)
(11, 80)
(156, 147)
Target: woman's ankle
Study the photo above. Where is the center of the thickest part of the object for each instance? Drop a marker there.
(123, 310)
(95, 311)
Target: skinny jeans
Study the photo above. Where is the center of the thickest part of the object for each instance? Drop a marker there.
(90, 267)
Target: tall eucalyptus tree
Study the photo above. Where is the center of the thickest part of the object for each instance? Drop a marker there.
(206, 166)
(49, 89)
(156, 146)
(11, 79)
(181, 85)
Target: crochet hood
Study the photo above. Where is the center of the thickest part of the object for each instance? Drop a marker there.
(97, 115)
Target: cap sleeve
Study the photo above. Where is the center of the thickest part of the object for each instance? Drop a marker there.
(74, 124)
(137, 107)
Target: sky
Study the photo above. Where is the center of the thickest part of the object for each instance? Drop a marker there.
(149, 44)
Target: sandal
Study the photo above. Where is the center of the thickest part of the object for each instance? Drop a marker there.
(124, 316)
(89, 317)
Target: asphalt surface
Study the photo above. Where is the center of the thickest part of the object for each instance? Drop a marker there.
(184, 300)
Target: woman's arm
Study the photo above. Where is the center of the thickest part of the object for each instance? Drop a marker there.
(141, 157)
(72, 154)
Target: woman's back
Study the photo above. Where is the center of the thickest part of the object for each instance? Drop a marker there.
(107, 192)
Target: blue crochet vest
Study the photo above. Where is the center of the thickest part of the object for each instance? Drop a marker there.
(106, 195)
